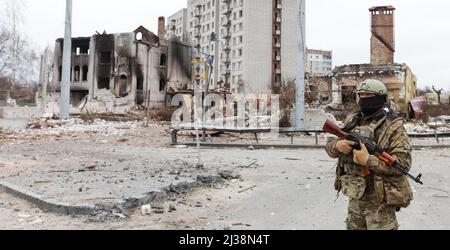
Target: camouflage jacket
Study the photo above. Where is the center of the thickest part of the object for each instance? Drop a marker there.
(387, 183)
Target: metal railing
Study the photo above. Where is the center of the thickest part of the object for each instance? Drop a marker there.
(288, 131)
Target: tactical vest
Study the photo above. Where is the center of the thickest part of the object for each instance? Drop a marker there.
(371, 133)
(392, 190)
(351, 181)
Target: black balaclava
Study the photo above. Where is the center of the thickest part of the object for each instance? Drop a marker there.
(369, 106)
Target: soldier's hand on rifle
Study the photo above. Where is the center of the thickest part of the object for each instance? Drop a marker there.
(361, 157)
(345, 147)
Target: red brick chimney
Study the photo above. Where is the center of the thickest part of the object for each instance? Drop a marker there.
(382, 47)
(161, 27)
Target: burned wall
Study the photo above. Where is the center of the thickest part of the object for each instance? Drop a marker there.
(125, 61)
(179, 73)
(104, 57)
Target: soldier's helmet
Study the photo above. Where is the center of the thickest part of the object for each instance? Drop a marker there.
(372, 87)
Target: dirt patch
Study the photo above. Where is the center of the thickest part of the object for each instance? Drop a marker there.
(162, 114)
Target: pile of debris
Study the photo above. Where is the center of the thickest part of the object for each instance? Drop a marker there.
(439, 125)
(48, 126)
(341, 112)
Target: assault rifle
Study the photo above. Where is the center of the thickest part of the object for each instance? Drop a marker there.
(373, 149)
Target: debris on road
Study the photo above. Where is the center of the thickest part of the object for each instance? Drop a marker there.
(248, 166)
(146, 210)
(244, 190)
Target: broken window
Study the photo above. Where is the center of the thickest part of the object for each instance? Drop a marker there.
(77, 71)
(140, 83)
(139, 36)
(103, 83)
(123, 86)
(163, 61)
(80, 46)
(105, 57)
(162, 85)
(85, 73)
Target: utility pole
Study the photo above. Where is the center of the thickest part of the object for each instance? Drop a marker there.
(66, 67)
(300, 83)
(198, 92)
(210, 68)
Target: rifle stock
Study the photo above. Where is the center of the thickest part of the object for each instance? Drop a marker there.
(333, 129)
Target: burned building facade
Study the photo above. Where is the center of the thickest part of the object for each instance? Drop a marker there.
(126, 69)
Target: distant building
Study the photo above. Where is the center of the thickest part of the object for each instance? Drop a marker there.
(255, 41)
(319, 62)
(177, 25)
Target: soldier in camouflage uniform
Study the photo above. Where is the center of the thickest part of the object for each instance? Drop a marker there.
(374, 199)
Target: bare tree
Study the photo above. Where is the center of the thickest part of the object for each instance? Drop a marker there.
(18, 60)
(5, 37)
(14, 13)
(439, 93)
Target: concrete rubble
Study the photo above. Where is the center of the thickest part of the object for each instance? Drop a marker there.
(76, 125)
(438, 127)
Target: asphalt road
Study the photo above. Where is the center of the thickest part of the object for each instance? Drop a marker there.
(294, 190)
(284, 189)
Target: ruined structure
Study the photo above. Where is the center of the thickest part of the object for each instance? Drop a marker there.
(319, 88)
(399, 78)
(110, 71)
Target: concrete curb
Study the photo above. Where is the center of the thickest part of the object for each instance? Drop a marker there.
(269, 146)
(130, 203)
(43, 204)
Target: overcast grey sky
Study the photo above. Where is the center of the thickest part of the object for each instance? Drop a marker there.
(422, 27)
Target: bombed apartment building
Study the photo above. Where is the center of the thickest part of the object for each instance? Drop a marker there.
(110, 71)
(399, 78)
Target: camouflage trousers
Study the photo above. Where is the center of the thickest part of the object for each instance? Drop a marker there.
(371, 215)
